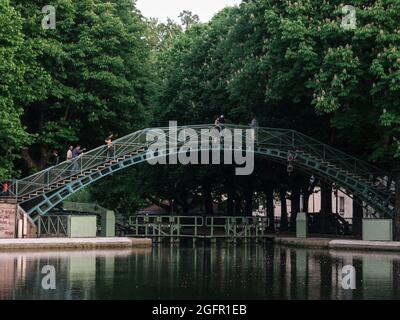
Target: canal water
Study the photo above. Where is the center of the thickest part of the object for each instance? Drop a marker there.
(177, 272)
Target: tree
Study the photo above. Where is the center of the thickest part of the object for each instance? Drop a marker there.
(97, 63)
(188, 18)
(12, 134)
(160, 36)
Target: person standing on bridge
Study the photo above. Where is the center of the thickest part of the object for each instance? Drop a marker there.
(55, 158)
(254, 126)
(216, 122)
(217, 126)
(69, 158)
(221, 121)
(69, 153)
(76, 152)
(110, 146)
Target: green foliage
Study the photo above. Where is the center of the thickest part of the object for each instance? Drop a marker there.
(160, 36)
(12, 134)
(105, 69)
(97, 64)
(290, 61)
(83, 196)
(188, 19)
(294, 66)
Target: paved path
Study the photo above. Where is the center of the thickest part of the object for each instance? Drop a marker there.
(347, 244)
(365, 245)
(73, 243)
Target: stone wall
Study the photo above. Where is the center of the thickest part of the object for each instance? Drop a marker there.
(8, 212)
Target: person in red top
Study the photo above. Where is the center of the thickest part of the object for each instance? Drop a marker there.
(6, 189)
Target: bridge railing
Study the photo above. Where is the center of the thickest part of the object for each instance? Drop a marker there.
(83, 207)
(345, 161)
(52, 226)
(198, 226)
(268, 137)
(293, 140)
(88, 160)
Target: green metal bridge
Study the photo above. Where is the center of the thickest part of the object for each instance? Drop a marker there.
(39, 193)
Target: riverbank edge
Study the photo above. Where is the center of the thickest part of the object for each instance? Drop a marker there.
(74, 243)
(337, 244)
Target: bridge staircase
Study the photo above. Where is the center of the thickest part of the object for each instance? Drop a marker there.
(41, 192)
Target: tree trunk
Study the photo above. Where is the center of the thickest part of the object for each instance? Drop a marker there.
(295, 204)
(238, 205)
(306, 197)
(307, 194)
(284, 213)
(269, 195)
(25, 155)
(231, 203)
(326, 205)
(230, 186)
(45, 155)
(248, 198)
(185, 201)
(357, 217)
(397, 207)
(208, 201)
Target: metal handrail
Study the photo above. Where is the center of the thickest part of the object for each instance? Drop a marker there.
(283, 139)
(202, 226)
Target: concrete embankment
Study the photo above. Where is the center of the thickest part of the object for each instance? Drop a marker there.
(72, 243)
(338, 244)
(298, 242)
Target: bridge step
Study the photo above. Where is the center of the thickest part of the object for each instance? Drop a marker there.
(375, 192)
(370, 183)
(59, 184)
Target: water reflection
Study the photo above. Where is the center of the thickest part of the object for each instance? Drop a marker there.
(78, 273)
(173, 272)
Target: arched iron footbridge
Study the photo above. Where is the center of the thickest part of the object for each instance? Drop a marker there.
(39, 193)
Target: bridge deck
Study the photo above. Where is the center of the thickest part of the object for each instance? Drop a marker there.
(40, 193)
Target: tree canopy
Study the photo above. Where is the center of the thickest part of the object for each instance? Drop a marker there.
(106, 68)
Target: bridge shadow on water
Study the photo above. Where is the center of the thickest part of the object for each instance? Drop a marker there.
(200, 272)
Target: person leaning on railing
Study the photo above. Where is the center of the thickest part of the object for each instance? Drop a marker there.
(76, 152)
(110, 146)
